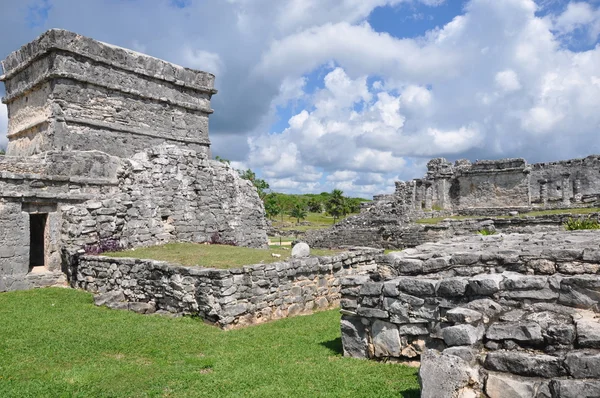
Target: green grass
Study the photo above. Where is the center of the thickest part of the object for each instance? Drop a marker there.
(586, 210)
(574, 224)
(214, 256)
(56, 343)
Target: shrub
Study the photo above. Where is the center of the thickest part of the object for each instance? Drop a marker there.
(574, 224)
(106, 245)
(486, 232)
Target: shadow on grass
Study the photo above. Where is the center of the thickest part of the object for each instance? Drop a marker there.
(334, 345)
(412, 393)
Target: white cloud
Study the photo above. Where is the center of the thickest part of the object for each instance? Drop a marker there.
(203, 60)
(507, 80)
(579, 16)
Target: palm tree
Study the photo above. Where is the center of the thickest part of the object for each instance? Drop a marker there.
(336, 204)
(298, 212)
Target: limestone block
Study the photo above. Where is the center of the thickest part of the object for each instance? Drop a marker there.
(489, 308)
(502, 385)
(442, 375)
(525, 364)
(417, 287)
(460, 315)
(372, 312)
(386, 339)
(583, 364)
(528, 333)
(466, 353)
(486, 284)
(588, 333)
(575, 388)
(462, 335)
(354, 337)
(452, 287)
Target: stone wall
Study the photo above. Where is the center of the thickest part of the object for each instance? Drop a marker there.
(227, 297)
(483, 188)
(163, 194)
(68, 92)
(392, 235)
(109, 148)
(508, 315)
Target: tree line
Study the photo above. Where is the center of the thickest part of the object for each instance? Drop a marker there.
(297, 206)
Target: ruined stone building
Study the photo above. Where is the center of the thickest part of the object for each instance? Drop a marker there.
(108, 147)
(483, 188)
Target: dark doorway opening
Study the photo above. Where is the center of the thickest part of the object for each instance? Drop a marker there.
(37, 234)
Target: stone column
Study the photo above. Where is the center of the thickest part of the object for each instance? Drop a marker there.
(543, 192)
(577, 195)
(428, 196)
(566, 192)
(443, 193)
(413, 190)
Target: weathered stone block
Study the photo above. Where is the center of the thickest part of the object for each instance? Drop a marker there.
(528, 333)
(583, 364)
(442, 375)
(588, 333)
(386, 339)
(372, 312)
(463, 315)
(417, 287)
(485, 285)
(462, 335)
(354, 337)
(524, 364)
(502, 385)
(452, 287)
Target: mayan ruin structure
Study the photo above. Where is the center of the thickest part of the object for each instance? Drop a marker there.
(481, 189)
(109, 147)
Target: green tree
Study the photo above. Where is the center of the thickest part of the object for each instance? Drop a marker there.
(298, 212)
(272, 207)
(222, 160)
(336, 205)
(261, 185)
(314, 206)
(354, 205)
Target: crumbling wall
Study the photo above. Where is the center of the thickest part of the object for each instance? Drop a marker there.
(489, 310)
(94, 201)
(227, 297)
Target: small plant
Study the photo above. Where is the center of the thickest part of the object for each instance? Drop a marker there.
(575, 224)
(107, 245)
(486, 232)
(215, 239)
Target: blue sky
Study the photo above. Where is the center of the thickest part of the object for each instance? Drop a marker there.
(355, 94)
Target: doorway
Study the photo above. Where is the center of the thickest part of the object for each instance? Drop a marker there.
(37, 235)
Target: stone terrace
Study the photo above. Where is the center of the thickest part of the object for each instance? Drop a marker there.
(502, 314)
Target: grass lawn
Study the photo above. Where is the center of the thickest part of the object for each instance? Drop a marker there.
(585, 210)
(214, 256)
(56, 343)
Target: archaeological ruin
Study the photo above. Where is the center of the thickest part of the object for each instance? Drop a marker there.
(480, 191)
(108, 147)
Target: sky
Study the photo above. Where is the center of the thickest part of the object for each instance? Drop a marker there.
(356, 94)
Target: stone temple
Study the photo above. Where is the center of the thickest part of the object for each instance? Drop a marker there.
(108, 147)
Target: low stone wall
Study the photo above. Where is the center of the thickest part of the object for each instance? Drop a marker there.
(395, 235)
(227, 297)
(508, 315)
